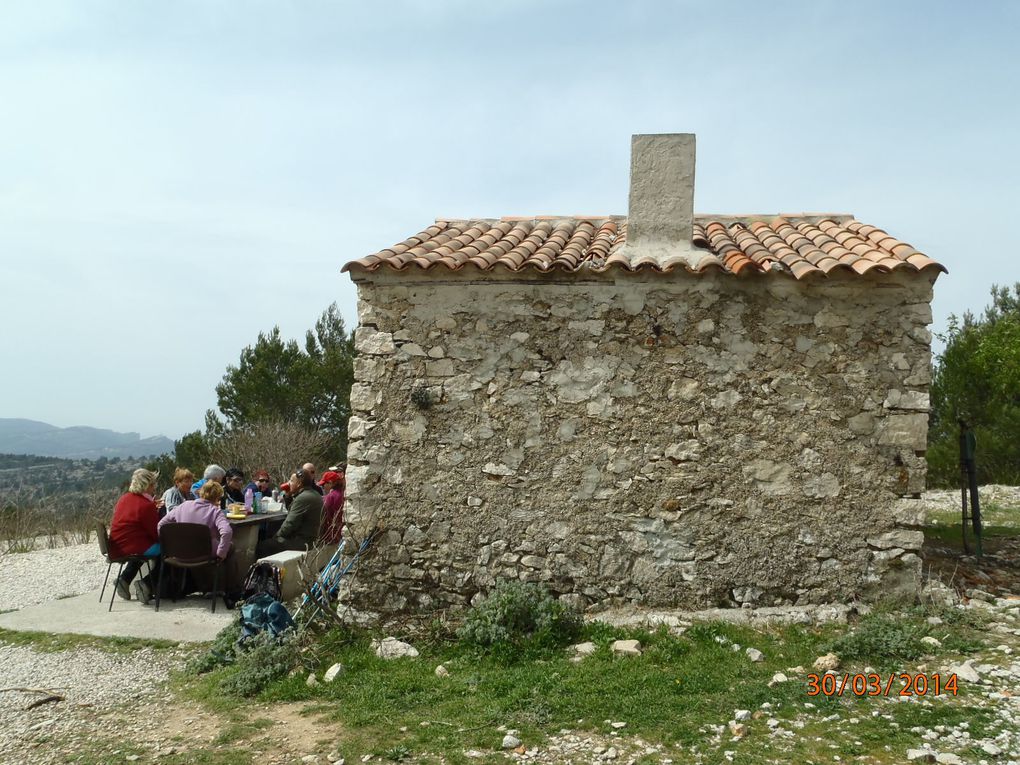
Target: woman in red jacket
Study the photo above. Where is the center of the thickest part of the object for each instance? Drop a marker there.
(133, 532)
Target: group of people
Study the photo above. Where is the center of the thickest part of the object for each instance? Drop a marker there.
(314, 514)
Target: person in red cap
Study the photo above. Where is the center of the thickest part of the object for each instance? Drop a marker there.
(334, 485)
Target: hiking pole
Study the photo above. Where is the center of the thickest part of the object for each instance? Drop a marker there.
(335, 576)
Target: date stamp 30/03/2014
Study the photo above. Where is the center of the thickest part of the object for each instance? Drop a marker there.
(873, 684)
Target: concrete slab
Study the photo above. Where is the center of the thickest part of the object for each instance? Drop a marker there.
(188, 620)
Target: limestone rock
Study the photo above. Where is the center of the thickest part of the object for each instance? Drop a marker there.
(312, 681)
(948, 758)
(966, 672)
(583, 649)
(370, 341)
(920, 755)
(391, 648)
(511, 741)
(738, 730)
(442, 671)
(626, 647)
(755, 655)
(777, 678)
(933, 642)
(742, 714)
(827, 662)
(333, 672)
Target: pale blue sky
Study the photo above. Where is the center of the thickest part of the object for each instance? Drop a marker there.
(176, 177)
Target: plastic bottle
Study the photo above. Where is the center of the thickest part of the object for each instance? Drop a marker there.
(248, 498)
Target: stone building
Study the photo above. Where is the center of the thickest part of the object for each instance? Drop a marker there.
(663, 408)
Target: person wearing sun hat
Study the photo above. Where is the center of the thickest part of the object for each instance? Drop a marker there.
(332, 506)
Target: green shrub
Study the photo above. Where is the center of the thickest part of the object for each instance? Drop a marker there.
(220, 653)
(519, 615)
(263, 660)
(881, 638)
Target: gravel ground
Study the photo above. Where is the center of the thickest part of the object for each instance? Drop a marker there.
(72, 570)
(95, 685)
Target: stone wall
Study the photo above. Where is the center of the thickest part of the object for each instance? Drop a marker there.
(680, 440)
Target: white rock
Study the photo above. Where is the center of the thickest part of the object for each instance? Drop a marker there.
(777, 678)
(391, 648)
(989, 748)
(966, 672)
(583, 649)
(311, 682)
(442, 671)
(742, 714)
(929, 640)
(627, 647)
(611, 753)
(948, 758)
(619, 725)
(920, 754)
(755, 655)
(511, 741)
(827, 662)
(332, 672)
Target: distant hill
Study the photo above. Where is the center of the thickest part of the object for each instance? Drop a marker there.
(31, 437)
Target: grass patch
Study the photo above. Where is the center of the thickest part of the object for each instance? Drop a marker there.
(680, 693)
(50, 642)
(1005, 520)
(678, 685)
(887, 640)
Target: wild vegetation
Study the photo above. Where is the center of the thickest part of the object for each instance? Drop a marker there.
(683, 685)
(281, 405)
(977, 378)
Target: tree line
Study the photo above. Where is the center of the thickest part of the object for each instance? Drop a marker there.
(977, 379)
(282, 404)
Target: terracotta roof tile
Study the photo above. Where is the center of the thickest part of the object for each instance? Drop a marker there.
(805, 245)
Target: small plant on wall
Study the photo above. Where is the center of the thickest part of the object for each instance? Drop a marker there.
(421, 397)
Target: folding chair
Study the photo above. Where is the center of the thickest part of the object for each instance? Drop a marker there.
(187, 546)
(104, 548)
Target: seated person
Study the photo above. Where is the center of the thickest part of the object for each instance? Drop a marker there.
(180, 492)
(233, 487)
(205, 510)
(300, 528)
(309, 470)
(332, 506)
(263, 484)
(133, 532)
(212, 473)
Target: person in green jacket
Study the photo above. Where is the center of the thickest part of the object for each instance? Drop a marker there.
(300, 529)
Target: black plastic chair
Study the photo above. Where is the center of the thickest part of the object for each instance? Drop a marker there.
(187, 546)
(104, 548)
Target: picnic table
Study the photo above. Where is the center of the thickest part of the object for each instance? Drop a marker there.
(246, 537)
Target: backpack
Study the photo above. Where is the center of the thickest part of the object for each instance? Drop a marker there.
(263, 614)
(263, 579)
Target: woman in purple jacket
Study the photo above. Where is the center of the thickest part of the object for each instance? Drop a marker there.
(205, 510)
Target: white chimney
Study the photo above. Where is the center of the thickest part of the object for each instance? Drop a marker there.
(660, 221)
